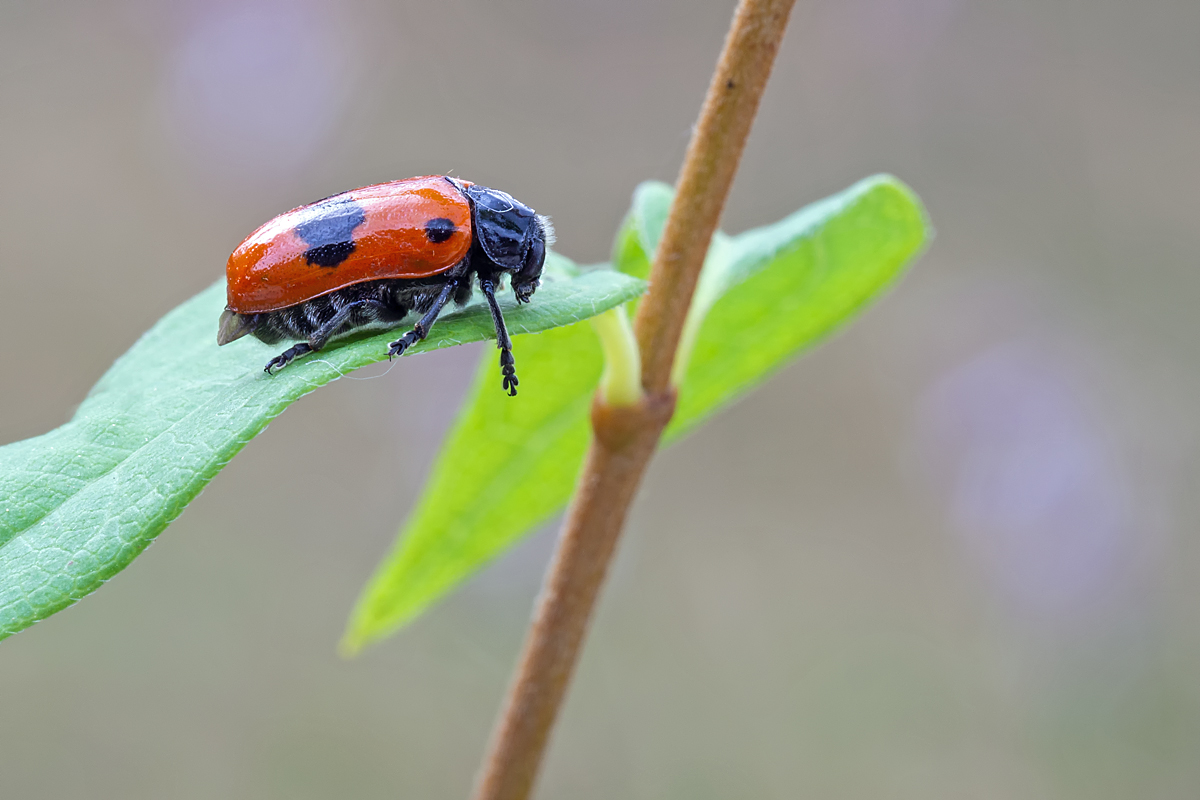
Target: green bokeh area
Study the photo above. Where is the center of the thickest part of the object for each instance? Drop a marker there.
(81, 502)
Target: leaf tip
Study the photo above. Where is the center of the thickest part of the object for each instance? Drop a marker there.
(889, 184)
(351, 645)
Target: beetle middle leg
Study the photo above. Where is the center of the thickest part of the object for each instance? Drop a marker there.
(318, 338)
(421, 329)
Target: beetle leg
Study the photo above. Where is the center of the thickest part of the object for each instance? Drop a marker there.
(287, 356)
(421, 329)
(319, 337)
(322, 334)
(507, 368)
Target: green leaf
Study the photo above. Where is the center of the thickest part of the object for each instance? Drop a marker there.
(763, 296)
(782, 288)
(78, 504)
(640, 231)
(520, 460)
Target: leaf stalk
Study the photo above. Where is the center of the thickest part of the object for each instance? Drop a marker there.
(621, 383)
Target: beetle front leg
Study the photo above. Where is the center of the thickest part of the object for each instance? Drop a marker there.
(507, 365)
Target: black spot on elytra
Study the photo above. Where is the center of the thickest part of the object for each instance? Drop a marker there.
(328, 230)
(329, 255)
(439, 229)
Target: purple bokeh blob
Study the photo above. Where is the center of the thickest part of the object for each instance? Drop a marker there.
(254, 90)
(1032, 481)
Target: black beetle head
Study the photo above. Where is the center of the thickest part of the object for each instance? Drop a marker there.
(511, 235)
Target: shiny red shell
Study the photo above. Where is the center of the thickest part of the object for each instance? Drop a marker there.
(412, 228)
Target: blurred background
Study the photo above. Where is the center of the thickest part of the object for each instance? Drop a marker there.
(951, 554)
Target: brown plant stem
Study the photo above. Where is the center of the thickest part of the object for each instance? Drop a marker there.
(611, 474)
(708, 169)
(625, 437)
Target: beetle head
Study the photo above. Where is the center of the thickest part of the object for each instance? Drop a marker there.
(512, 236)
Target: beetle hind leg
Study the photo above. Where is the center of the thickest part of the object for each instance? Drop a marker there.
(287, 356)
(337, 323)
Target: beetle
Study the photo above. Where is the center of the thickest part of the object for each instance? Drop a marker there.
(368, 257)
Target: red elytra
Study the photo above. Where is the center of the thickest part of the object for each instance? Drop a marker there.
(412, 228)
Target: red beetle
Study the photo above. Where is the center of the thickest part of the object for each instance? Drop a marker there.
(368, 257)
